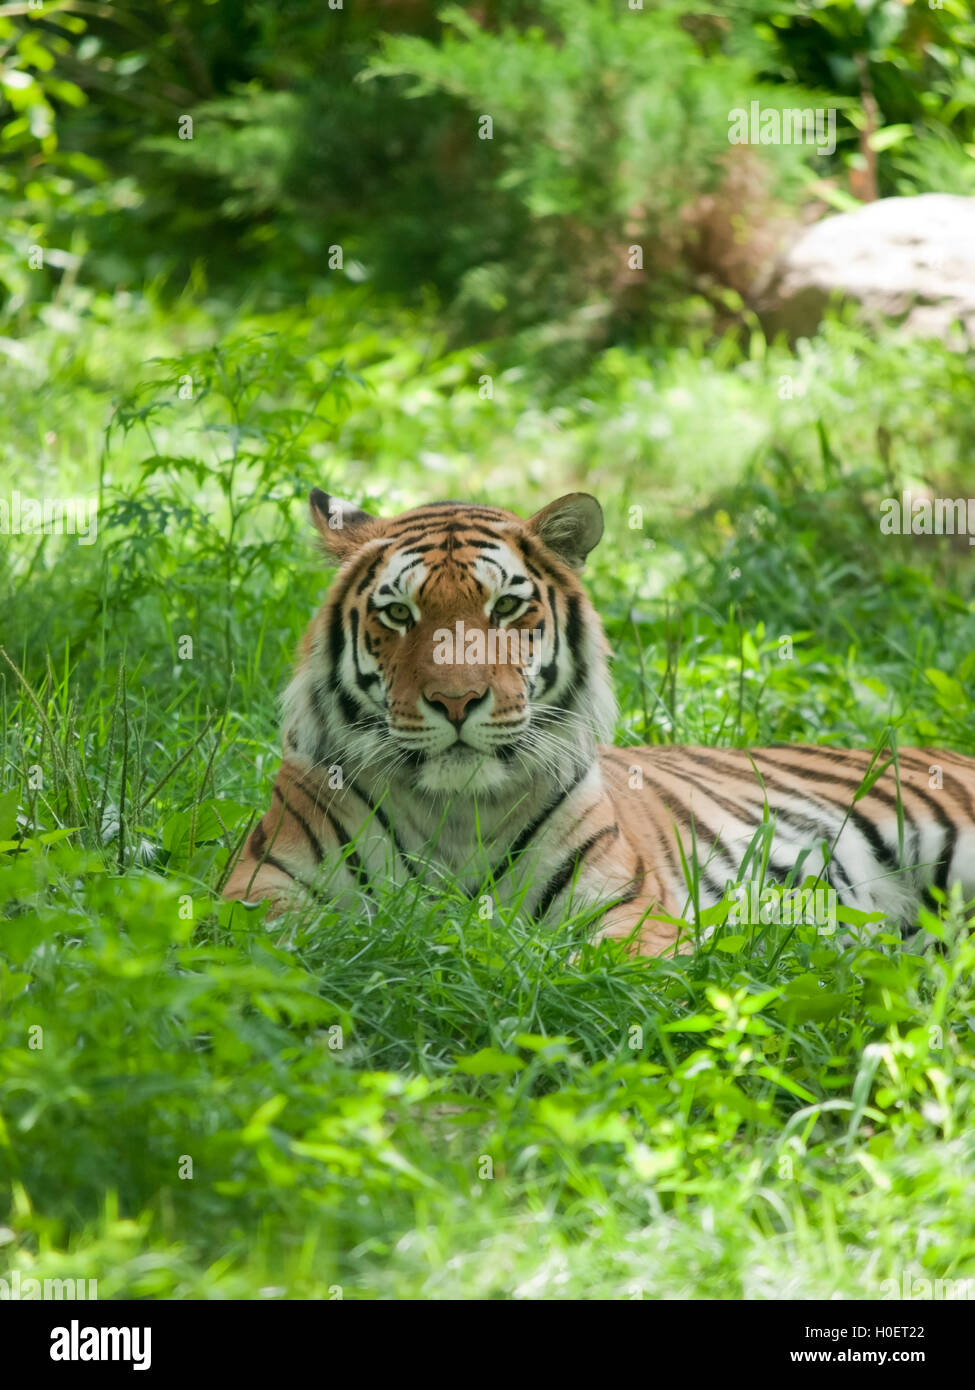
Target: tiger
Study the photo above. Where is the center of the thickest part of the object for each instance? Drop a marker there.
(408, 757)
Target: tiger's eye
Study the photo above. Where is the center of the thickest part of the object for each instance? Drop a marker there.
(506, 605)
(400, 612)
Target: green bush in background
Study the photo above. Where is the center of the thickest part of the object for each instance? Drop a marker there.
(316, 128)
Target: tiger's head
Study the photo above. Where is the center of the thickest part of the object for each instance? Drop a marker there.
(456, 648)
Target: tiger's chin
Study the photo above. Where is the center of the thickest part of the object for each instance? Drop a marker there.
(464, 769)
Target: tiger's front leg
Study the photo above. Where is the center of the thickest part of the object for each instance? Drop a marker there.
(276, 863)
(300, 852)
(638, 923)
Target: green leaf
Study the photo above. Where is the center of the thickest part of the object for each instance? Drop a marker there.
(890, 136)
(694, 1023)
(9, 802)
(537, 1042)
(51, 837)
(489, 1062)
(950, 691)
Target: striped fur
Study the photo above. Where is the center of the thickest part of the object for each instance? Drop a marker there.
(492, 774)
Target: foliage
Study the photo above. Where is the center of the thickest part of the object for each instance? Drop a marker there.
(598, 161)
(177, 531)
(910, 70)
(358, 128)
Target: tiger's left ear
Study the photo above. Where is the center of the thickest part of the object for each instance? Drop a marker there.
(341, 525)
(569, 527)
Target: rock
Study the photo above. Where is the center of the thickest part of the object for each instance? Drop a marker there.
(906, 258)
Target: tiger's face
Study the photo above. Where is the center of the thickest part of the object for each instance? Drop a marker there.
(458, 646)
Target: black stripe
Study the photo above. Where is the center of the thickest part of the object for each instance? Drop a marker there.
(258, 847)
(882, 794)
(944, 862)
(309, 834)
(959, 788)
(528, 832)
(440, 527)
(348, 708)
(668, 843)
(558, 882)
(335, 633)
(404, 543)
(665, 840)
(308, 887)
(371, 570)
(575, 631)
(549, 673)
(482, 545)
(536, 555)
(362, 679)
(635, 887)
(349, 853)
(794, 819)
(686, 819)
(889, 798)
(383, 820)
(450, 510)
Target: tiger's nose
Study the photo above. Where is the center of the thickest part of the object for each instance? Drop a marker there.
(455, 706)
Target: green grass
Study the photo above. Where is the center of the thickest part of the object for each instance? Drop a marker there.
(431, 1104)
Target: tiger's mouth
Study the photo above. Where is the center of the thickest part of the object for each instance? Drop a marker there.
(461, 767)
(502, 745)
(460, 751)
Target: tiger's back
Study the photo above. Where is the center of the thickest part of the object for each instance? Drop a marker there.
(880, 829)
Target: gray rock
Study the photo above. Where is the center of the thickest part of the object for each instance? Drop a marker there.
(907, 258)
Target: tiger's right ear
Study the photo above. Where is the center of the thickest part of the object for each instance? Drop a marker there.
(342, 526)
